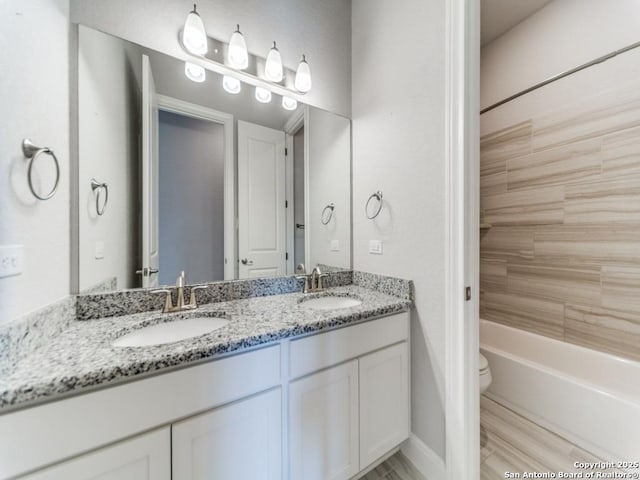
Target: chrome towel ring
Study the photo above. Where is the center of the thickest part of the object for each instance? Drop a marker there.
(325, 217)
(31, 152)
(100, 187)
(378, 196)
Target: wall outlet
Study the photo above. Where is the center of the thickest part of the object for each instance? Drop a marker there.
(99, 253)
(11, 260)
(335, 245)
(375, 247)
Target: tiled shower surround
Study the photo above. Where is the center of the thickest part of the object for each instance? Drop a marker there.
(561, 194)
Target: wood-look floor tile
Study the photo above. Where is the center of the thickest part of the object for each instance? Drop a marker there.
(532, 314)
(614, 200)
(621, 153)
(557, 166)
(496, 148)
(403, 468)
(588, 244)
(621, 288)
(559, 283)
(596, 116)
(542, 206)
(507, 243)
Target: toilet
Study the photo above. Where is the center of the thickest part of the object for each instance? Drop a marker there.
(485, 374)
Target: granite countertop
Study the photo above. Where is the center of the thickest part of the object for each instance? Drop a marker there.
(82, 356)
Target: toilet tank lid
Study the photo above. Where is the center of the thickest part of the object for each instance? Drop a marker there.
(483, 364)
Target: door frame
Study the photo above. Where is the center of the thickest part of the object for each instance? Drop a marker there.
(462, 121)
(298, 120)
(174, 105)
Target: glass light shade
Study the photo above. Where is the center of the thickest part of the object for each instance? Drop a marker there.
(289, 103)
(303, 76)
(263, 95)
(237, 56)
(231, 84)
(273, 67)
(194, 36)
(195, 72)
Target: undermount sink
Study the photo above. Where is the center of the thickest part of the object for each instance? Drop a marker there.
(330, 302)
(169, 332)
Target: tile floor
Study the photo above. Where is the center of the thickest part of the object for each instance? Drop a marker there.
(396, 467)
(508, 442)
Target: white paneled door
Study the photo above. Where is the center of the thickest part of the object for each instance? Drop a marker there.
(261, 201)
(150, 217)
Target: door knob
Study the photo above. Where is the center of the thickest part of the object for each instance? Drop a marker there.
(147, 272)
(246, 261)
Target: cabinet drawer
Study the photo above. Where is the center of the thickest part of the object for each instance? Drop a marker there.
(323, 350)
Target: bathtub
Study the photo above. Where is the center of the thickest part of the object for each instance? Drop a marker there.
(588, 397)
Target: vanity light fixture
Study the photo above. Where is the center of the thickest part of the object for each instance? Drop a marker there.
(231, 84)
(237, 55)
(194, 36)
(263, 95)
(273, 67)
(303, 76)
(194, 72)
(289, 103)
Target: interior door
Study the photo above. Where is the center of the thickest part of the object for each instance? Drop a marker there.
(150, 217)
(261, 201)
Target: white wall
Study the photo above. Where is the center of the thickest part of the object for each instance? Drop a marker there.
(561, 36)
(192, 201)
(298, 197)
(329, 182)
(318, 29)
(398, 147)
(108, 151)
(34, 99)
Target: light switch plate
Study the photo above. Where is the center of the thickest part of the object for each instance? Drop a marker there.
(11, 260)
(375, 247)
(99, 253)
(335, 245)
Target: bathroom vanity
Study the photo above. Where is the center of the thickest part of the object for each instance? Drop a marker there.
(284, 390)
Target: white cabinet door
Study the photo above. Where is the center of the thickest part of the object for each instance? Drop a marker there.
(323, 426)
(384, 401)
(146, 457)
(242, 440)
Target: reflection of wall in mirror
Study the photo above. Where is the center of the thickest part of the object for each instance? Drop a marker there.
(329, 182)
(108, 110)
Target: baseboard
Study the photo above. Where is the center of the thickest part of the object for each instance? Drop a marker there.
(424, 459)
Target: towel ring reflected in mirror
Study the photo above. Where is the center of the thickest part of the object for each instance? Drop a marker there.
(327, 213)
(100, 187)
(378, 196)
(31, 152)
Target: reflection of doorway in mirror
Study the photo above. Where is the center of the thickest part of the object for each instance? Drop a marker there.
(191, 216)
(298, 199)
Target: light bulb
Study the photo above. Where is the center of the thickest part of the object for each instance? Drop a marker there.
(303, 76)
(273, 67)
(194, 36)
(195, 72)
(231, 84)
(263, 95)
(289, 103)
(237, 56)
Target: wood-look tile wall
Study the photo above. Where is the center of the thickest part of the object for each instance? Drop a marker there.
(562, 196)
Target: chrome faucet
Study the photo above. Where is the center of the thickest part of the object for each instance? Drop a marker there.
(180, 305)
(313, 282)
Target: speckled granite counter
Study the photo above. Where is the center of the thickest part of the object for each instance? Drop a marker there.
(81, 355)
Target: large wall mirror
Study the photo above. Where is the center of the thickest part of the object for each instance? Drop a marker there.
(176, 173)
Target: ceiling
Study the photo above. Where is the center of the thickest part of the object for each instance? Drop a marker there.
(498, 16)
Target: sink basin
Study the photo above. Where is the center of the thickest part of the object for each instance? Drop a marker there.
(169, 332)
(330, 303)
